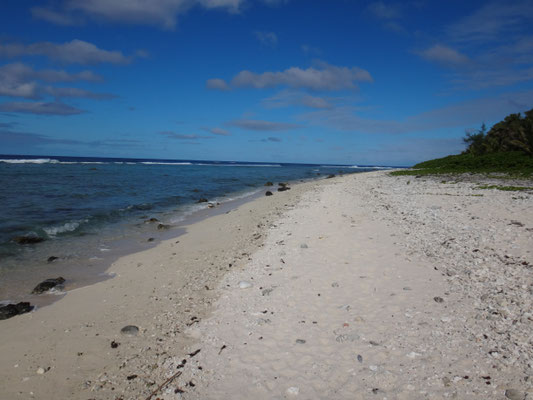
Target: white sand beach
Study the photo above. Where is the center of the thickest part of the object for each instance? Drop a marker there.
(364, 286)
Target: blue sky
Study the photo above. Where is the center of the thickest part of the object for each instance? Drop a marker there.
(319, 81)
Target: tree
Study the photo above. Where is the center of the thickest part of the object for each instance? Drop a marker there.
(476, 141)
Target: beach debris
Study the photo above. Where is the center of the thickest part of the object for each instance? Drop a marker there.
(10, 310)
(373, 368)
(293, 391)
(131, 377)
(130, 330)
(438, 299)
(244, 285)
(347, 337)
(28, 239)
(300, 341)
(114, 344)
(269, 184)
(222, 348)
(202, 200)
(514, 394)
(304, 246)
(413, 354)
(48, 284)
(194, 353)
(407, 288)
(266, 292)
(164, 384)
(360, 358)
(268, 193)
(335, 284)
(40, 371)
(52, 259)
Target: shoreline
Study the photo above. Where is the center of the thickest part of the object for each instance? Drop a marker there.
(71, 339)
(83, 271)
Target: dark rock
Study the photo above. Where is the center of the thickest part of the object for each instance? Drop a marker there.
(52, 259)
(27, 239)
(130, 330)
(114, 344)
(360, 358)
(269, 184)
(151, 220)
(202, 200)
(48, 284)
(283, 188)
(330, 176)
(11, 310)
(163, 226)
(268, 193)
(438, 299)
(283, 184)
(151, 239)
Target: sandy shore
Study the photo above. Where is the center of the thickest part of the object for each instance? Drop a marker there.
(362, 286)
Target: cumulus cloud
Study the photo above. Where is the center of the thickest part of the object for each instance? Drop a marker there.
(325, 77)
(217, 84)
(267, 38)
(259, 125)
(20, 80)
(444, 55)
(163, 13)
(73, 52)
(40, 107)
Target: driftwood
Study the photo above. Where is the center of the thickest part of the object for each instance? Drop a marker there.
(164, 384)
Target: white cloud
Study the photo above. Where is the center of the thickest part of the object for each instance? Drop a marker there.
(218, 131)
(325, 77)
(154, 12)
(444, 55)
(217, 84)
(73, 52)
(40, 107)
(259, 125)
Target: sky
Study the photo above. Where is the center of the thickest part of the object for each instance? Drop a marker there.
(313, 81)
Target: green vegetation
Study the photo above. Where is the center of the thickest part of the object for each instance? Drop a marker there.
(506, 188)
(507, 148)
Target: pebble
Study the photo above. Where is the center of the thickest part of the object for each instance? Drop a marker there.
(373, 368)
(300, 341)
(130, 330)
(514, 394)
(360, 358)
(293, 391)
(438, 299)
(40, 370)
(245, 285)
(304, 246)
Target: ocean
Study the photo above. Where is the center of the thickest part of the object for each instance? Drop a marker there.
(89, 211)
